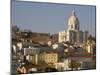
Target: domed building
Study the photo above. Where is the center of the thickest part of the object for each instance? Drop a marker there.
(73, 22)
(73, 33)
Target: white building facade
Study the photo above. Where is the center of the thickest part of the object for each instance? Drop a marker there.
(73, 33)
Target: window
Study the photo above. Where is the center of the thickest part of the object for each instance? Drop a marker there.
(71, 27)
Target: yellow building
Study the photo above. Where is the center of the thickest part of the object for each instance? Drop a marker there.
(49, 58)
(32, 58)
(90, 46)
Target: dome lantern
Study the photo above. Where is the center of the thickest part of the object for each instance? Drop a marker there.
(73, 13)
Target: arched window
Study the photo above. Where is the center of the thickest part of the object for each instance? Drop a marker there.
(71, 26)
(76, 27)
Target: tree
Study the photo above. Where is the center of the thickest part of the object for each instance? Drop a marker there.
(74, 65)
(15, 28)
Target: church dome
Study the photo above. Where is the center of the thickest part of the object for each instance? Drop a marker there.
(73, 20)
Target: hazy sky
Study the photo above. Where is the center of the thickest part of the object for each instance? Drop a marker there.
(51, 17)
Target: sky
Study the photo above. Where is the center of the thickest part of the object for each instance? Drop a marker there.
(51, 17)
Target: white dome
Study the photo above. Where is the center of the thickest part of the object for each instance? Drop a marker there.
(73, 20)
